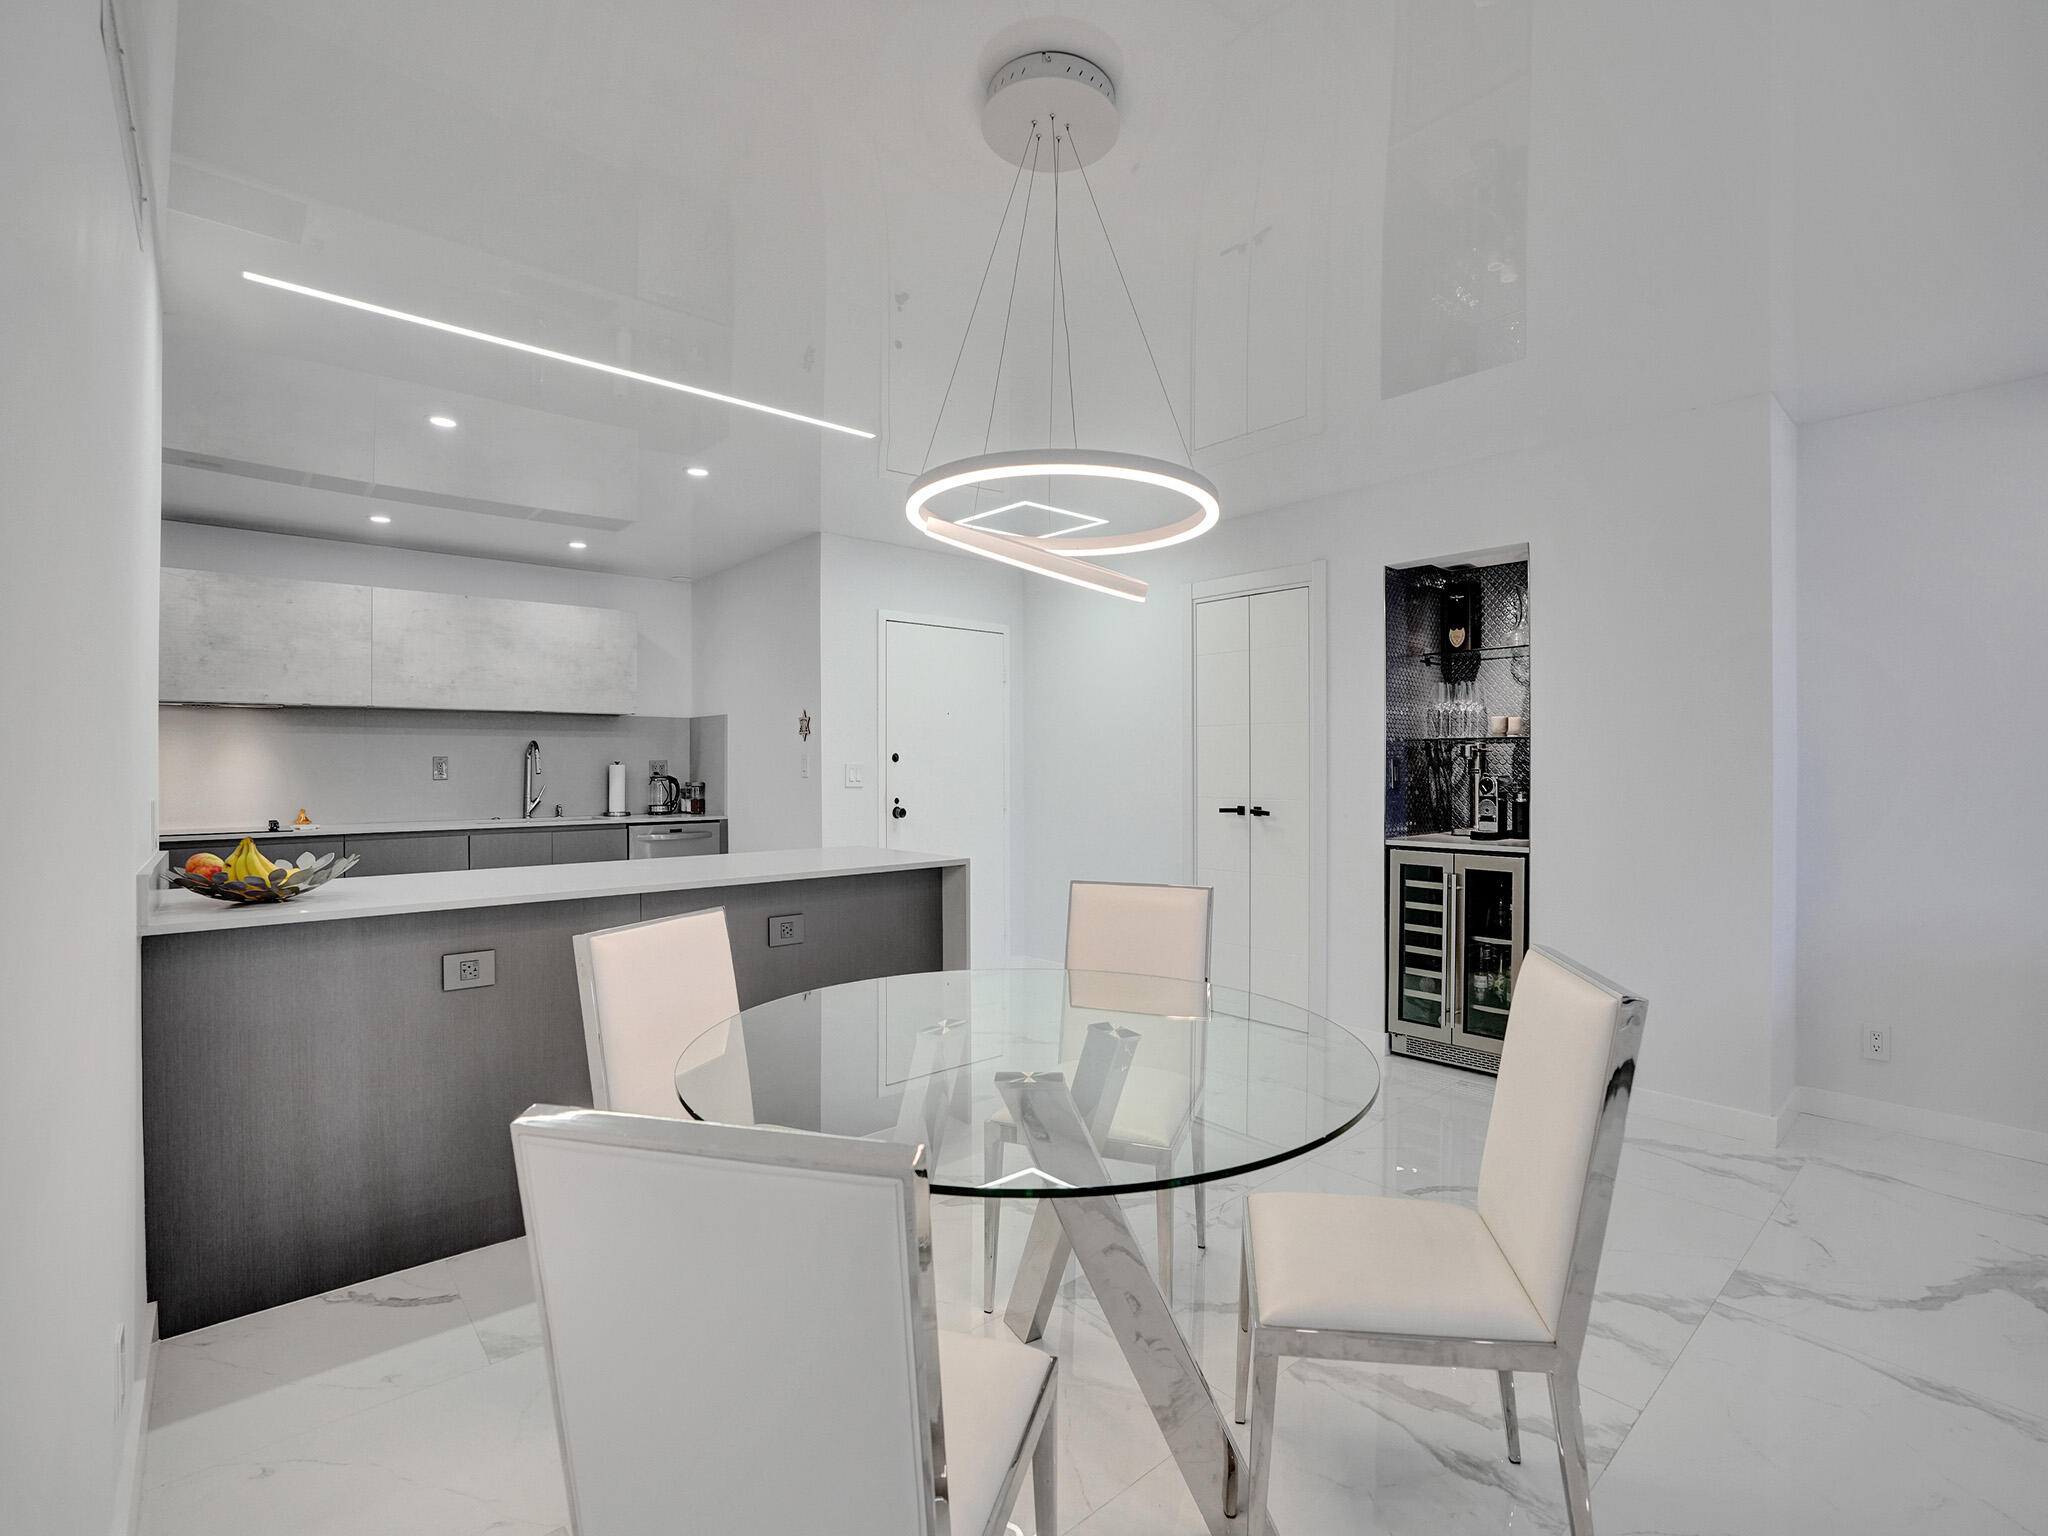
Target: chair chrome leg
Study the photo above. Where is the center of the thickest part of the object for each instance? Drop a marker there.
(1507, 1409)
(1045, 1476)
(1244, 1330)
(1166, 1245)
(991, 1214)
(1571, 1453)
(1265, 1374)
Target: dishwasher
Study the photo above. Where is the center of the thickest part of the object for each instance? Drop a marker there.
(675, 840)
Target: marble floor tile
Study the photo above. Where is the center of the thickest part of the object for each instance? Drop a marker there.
(472, 1455)
(1985, 1178)
(223, 1391)
(1760, 1431)
(1720, 1171)
(1945, 1288)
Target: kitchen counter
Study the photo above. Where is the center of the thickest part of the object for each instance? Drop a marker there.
(1454, 840)
(378, 828)
(176, 911)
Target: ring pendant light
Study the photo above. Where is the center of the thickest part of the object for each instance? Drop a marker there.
(1033, 100)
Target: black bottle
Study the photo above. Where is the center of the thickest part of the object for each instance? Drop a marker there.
(1458, 618)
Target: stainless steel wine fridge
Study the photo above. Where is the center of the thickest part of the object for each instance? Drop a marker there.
(1457, 924)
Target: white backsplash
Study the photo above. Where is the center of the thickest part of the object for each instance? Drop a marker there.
(235, 767)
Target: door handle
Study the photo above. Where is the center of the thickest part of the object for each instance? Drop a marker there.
(1231, 810)
(898, 812)
(1260, 810)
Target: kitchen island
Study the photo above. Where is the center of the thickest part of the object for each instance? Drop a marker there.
(317, 1110)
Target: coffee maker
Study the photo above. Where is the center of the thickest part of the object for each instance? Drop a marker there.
(665, 795)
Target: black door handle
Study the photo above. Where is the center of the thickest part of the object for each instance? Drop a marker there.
(1260, 810)
(898, 812)
(1231, 810)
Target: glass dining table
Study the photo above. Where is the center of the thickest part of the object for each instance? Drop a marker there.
(1065, 1087)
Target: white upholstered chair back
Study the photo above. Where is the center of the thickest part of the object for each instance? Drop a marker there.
(1140, 930)
(735, 1323)
(1555, 1069)
(648, 990)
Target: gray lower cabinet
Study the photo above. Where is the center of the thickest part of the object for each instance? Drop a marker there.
(411, 854)
(588, 845)
(511, 850)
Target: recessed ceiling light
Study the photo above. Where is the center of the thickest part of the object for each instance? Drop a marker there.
(379, 517)
(578, 544)
(445, 423)
(560, 357)
(697, 471)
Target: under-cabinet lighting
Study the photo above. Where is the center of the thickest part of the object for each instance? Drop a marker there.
(379, 517)
(445, 423)
(696, 471)
(578, 544)
(560, 357)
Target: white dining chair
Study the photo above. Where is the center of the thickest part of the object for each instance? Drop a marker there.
(740, 1336)
(1116, 932)
(648, 990)
(1507, 1287)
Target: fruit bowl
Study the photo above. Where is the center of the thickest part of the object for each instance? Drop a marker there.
(280, 883)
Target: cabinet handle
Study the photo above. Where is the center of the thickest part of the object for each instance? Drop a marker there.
(1260, 810)
(1231, 810)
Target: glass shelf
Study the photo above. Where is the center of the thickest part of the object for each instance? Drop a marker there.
(1484, 653)
(1460, 741)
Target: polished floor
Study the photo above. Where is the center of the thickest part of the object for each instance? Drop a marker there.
(1846, 1333)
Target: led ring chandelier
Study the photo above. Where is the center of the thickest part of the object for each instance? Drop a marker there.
(1033, 99)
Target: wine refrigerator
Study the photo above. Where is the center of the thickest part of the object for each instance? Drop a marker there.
(1457, 925)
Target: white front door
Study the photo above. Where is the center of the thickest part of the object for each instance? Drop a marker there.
(1252, 787)
(946, 760)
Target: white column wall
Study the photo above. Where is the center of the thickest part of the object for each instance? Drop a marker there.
(79, 492)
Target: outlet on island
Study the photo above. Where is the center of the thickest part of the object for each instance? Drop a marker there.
(788, 929)
(477, 968)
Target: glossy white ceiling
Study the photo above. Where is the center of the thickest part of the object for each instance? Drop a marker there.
(792, 202)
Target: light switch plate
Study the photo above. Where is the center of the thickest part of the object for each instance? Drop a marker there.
(855, 776)
(787, 929)
(474, 968)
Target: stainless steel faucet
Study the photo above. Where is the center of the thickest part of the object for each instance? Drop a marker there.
(532, 781)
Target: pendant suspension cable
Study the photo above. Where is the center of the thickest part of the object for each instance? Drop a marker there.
(968, 329)
(1052, 308)
(1023, 228)
(1059, 268)
(1082, 162)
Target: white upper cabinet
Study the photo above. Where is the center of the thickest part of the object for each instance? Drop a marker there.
(437, 651)
(230, 639)
(226, 639)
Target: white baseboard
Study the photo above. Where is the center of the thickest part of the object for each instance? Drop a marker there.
(1722, 1119)
(134, 1431)
(1961, 1130)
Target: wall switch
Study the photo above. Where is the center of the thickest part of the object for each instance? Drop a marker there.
(656, 765)
(788, 929)
(477, 968)
(1877, 1045)
(855, 776)
(803, 763)
(440, 768)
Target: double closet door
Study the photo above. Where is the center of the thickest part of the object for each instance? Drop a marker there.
(1252, 788)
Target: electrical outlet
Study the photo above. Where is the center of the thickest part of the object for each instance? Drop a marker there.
(656, 765)
(855, 777)
(477, 968)
(1877, 1045)
(787, 929)
(440, 768)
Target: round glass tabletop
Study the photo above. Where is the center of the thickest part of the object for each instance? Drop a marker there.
(1033, 1083)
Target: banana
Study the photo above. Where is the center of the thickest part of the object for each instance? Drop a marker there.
(245, 863)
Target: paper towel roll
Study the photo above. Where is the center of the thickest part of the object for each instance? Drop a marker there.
(615, 790)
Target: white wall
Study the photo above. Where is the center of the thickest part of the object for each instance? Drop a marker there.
(79, 457)
(756, 663)
(1923, 828)
(1650, 568)
(661, 608)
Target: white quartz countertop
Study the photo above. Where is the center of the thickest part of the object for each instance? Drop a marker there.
(370, 828)
(175, 911)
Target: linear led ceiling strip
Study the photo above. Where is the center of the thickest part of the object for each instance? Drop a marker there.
(548, 352)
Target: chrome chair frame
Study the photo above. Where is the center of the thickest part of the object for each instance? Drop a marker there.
(1260, 1348)
(997, 1136)
(1038, 1451)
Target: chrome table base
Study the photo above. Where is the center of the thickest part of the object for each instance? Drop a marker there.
(1092, 1229)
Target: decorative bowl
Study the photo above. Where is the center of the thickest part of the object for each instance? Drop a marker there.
(283, 883)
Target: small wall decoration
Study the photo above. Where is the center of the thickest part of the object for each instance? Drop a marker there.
(803, 725)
